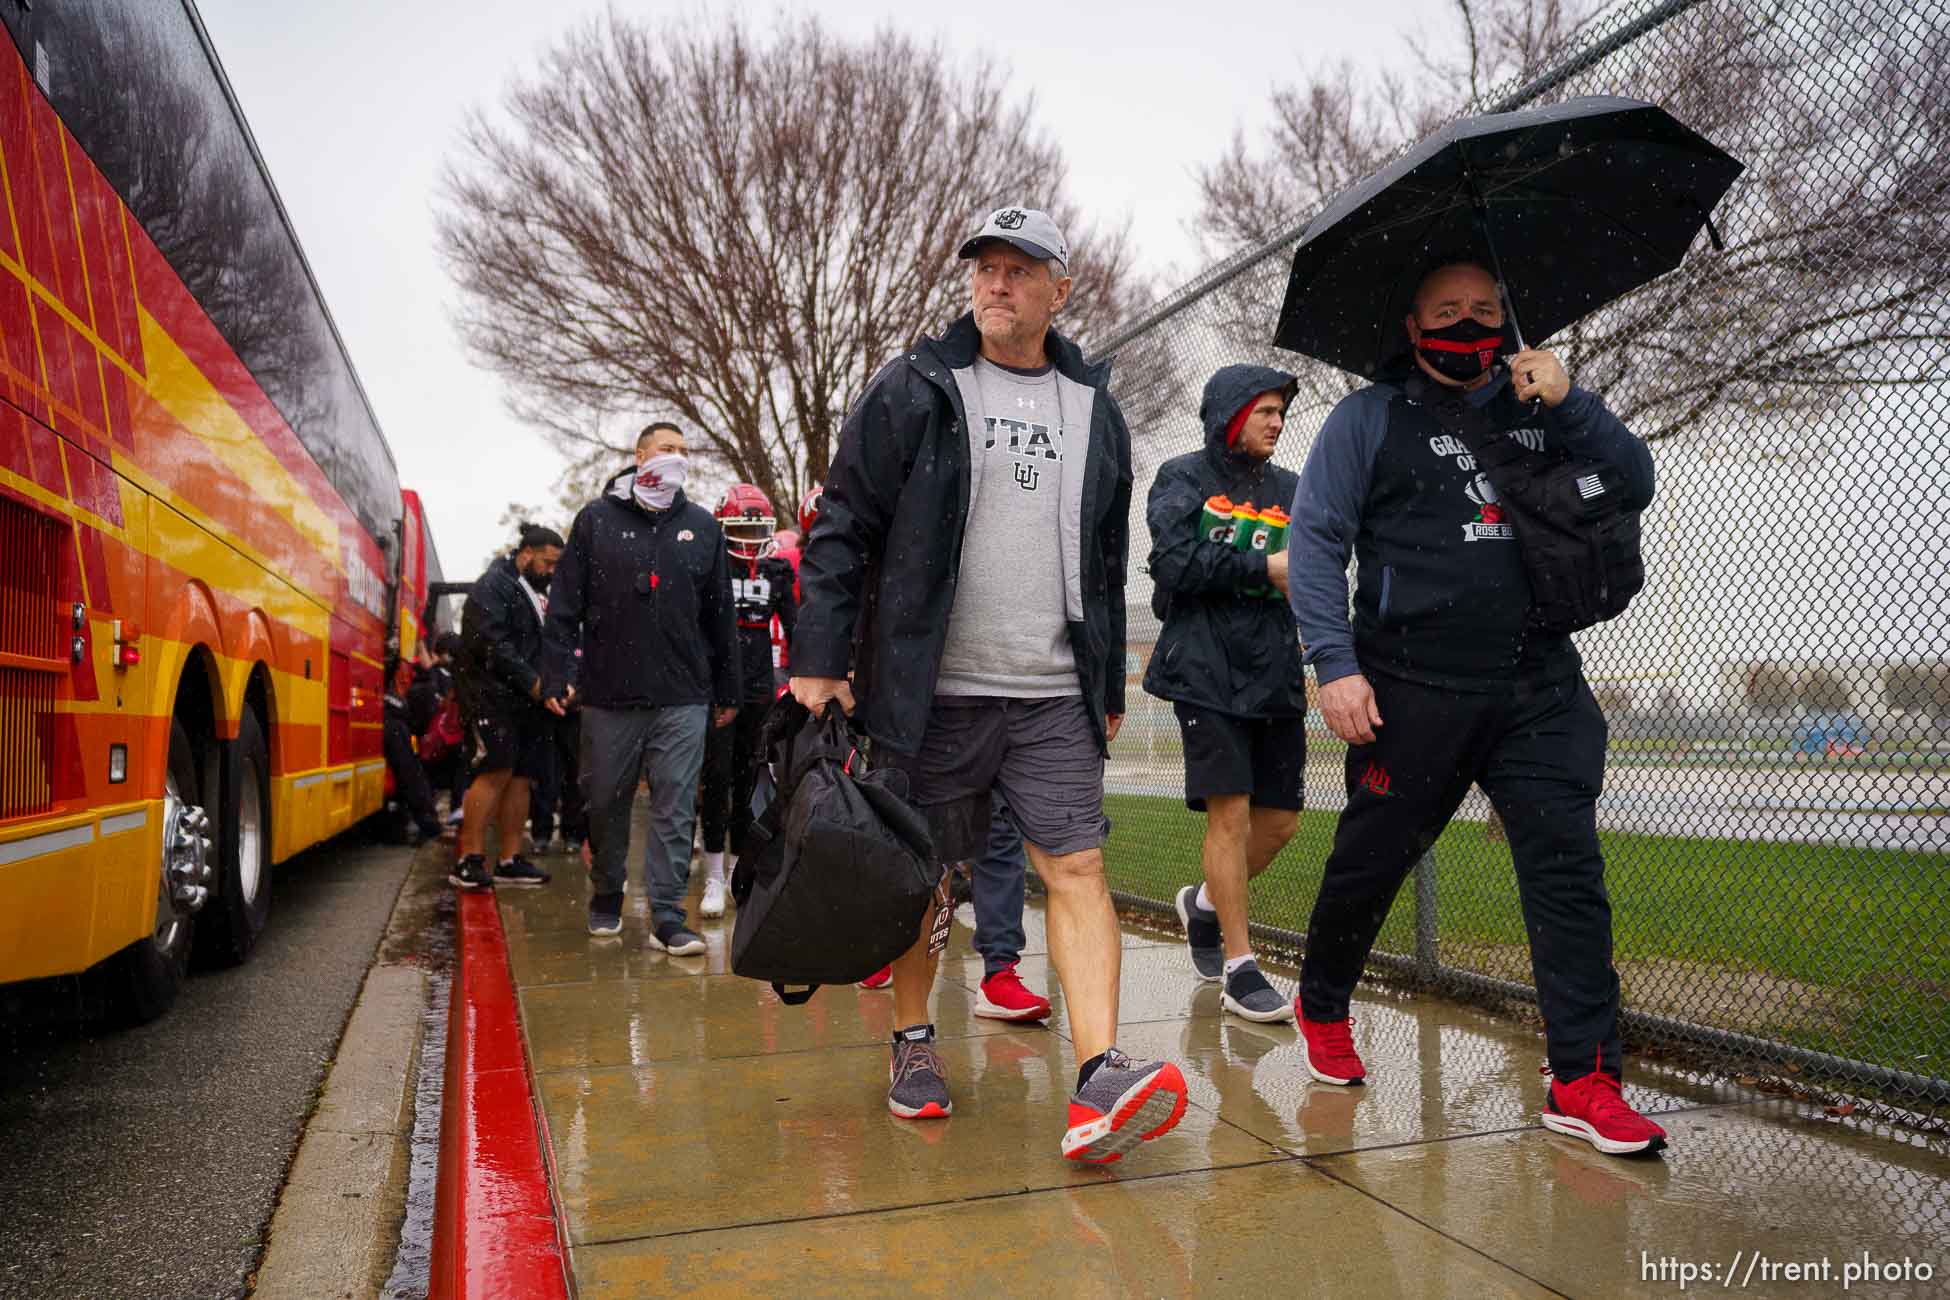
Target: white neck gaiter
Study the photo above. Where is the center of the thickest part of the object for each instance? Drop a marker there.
(658, 479)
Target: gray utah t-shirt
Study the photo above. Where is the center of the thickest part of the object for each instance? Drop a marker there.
(1007, 633)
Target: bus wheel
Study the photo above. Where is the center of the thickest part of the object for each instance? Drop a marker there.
(151, 971)
(228, 932)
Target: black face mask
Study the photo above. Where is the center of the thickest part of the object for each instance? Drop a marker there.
(535, 580)
(1462, 351)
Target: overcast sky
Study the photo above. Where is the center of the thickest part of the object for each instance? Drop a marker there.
(356, 105)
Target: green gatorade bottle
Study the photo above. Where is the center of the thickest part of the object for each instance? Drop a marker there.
(1215, 520)
(1248, 532)
(1277, 522)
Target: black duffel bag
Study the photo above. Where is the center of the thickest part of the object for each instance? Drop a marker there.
(1580, 544)
(839, 867)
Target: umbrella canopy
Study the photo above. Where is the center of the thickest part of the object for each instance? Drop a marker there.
(1572, 205)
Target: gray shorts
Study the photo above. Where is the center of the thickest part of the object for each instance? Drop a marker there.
(1041, 754)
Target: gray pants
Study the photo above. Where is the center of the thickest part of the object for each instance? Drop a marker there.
(667, 746)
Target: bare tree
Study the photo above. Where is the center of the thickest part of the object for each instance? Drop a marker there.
(1337, 125)
(736, 231)
(1833, 275)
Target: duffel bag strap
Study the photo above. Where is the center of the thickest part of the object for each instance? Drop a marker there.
(794, 995)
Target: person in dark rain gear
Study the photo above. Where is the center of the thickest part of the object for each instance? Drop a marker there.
(500, 687)
(1228, 657)
(644, 591)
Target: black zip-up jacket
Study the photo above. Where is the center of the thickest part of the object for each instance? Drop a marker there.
(878, 574)
(501, 638)
(647, 595)
(1222, 648)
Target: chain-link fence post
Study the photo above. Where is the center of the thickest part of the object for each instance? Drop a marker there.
(1426, 957)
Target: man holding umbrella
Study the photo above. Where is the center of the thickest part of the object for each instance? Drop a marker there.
(1457, 669)
(1443, 680)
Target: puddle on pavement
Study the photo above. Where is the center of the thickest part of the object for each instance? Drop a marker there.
(413, 1264)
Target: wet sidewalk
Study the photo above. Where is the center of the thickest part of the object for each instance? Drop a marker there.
(708, 1139)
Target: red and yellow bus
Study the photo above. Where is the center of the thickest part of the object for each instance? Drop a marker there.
(206, 559)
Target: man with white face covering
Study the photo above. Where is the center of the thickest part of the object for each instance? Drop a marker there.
(641, 629)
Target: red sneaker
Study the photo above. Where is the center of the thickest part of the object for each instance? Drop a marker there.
(880, 979)
(1331, 1057)
(1003, 997)
(1594, 1108)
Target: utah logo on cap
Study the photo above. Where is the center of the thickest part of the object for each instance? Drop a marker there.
(1011, 219)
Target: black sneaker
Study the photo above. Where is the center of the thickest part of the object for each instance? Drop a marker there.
(519, 871)
(471, 872)
(1248, 994)
(1202, 936)
(676, 940)
(606, 914)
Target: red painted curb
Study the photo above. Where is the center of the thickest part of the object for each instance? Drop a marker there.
(495, 1230)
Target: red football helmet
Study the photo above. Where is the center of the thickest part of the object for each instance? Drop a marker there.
(747, 519)
(809, 509)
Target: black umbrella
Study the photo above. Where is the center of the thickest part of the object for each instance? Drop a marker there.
(1581, 201)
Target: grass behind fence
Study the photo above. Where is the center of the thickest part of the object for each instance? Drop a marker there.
(1840, 949)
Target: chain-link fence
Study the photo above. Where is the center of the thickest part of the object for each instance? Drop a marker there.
(1776, 814)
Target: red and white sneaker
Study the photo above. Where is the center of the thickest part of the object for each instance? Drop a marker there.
(1331, 1057)
(1003, 997)
(1124, 1103)
(1594, 1108)
(880, 979)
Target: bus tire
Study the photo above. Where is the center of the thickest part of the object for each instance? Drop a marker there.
(147, 975)
(240, 903)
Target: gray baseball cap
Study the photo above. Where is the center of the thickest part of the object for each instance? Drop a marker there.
(1031, 231)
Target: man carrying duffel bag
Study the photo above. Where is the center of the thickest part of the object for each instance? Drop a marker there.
(971, 544)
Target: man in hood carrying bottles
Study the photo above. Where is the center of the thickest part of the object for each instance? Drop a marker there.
(1228, 658)
(968, 567)
(1445, 679)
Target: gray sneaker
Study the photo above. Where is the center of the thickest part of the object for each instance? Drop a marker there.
(1202, 936)
(1124, 1103)
(606, 914)
(916, 1087)
(676, 940)
(1248, 994)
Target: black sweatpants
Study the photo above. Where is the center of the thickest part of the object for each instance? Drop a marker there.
(409, 778)
(729, 775)
(1539, 754)
(562, 788)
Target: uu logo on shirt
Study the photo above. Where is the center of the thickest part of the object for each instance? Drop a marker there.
(1027, 443)
(1488, 526)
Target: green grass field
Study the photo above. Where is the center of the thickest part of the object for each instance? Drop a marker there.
(1851, 945)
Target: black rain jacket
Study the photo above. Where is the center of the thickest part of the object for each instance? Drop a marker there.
(1223, 646)
(647, 595)
(501, 639)
(878, 574)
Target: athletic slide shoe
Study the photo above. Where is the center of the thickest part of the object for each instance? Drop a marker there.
(1124, 1103)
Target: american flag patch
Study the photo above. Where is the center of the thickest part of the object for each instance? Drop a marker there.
(1590, 486)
